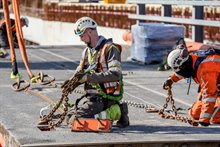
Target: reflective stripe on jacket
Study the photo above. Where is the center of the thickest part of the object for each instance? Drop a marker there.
(208, 75)
(113, 87)
(109, 87)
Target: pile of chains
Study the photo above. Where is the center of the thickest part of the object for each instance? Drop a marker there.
(68, 87)
(174, 116)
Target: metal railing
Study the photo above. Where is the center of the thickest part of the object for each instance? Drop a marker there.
(197, 19)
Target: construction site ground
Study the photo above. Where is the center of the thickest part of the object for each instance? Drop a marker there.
(19, 111)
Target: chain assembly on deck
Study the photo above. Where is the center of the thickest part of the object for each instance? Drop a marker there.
(42, 78)
(163, 112)
(20, 85)
(68, 88)
(174, 116)
(148, 108)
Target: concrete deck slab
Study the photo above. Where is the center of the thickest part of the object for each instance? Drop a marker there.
(19, 111)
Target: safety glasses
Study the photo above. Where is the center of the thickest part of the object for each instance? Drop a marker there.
(79, 32)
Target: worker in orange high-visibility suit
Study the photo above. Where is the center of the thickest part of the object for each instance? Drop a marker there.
(205, 70)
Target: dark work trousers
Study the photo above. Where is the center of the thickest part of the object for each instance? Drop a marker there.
(3, 39)
(87, 106)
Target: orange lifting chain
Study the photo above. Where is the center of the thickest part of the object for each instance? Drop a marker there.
(40, 78)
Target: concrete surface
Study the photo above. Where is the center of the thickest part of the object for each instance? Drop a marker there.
(19, 111)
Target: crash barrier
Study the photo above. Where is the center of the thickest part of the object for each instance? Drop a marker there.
(196, 19)
(116, 15)
(152, 41)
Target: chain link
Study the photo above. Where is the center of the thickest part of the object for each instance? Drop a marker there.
(73, 83)
(174, 116)
(161, 112)
(68, 88)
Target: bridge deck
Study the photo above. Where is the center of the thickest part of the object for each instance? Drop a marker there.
(19, 111)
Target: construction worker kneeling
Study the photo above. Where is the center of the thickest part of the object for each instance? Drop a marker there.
(205, 70)
(102, 77)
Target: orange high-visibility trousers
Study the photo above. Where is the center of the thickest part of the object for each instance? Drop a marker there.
(195, 110)
(208, 75)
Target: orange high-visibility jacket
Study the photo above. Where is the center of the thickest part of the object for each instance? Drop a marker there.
(208, 77)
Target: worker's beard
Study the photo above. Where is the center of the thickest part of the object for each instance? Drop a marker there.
(187, 69)
(89, 43)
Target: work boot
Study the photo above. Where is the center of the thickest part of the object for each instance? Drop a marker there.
(204, 124)
(124, 120)
(3, 53)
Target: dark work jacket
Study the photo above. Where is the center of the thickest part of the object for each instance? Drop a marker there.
(3, 33)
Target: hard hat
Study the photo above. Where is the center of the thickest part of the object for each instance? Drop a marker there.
(177, 57)
(25, 21)
(83, 23)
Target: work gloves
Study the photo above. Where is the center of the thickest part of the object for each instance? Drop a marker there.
(65, 83)
(82, 78)
(167, 84)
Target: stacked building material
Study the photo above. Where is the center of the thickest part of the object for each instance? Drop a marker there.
(152, 41)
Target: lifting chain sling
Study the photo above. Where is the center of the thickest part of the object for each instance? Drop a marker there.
(148, 108)
(162, 112)
(20, 85)
(68, 88)
(174, 116)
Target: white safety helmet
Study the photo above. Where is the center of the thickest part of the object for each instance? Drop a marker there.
(83, 23)
(177, 57)
(25, 21)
